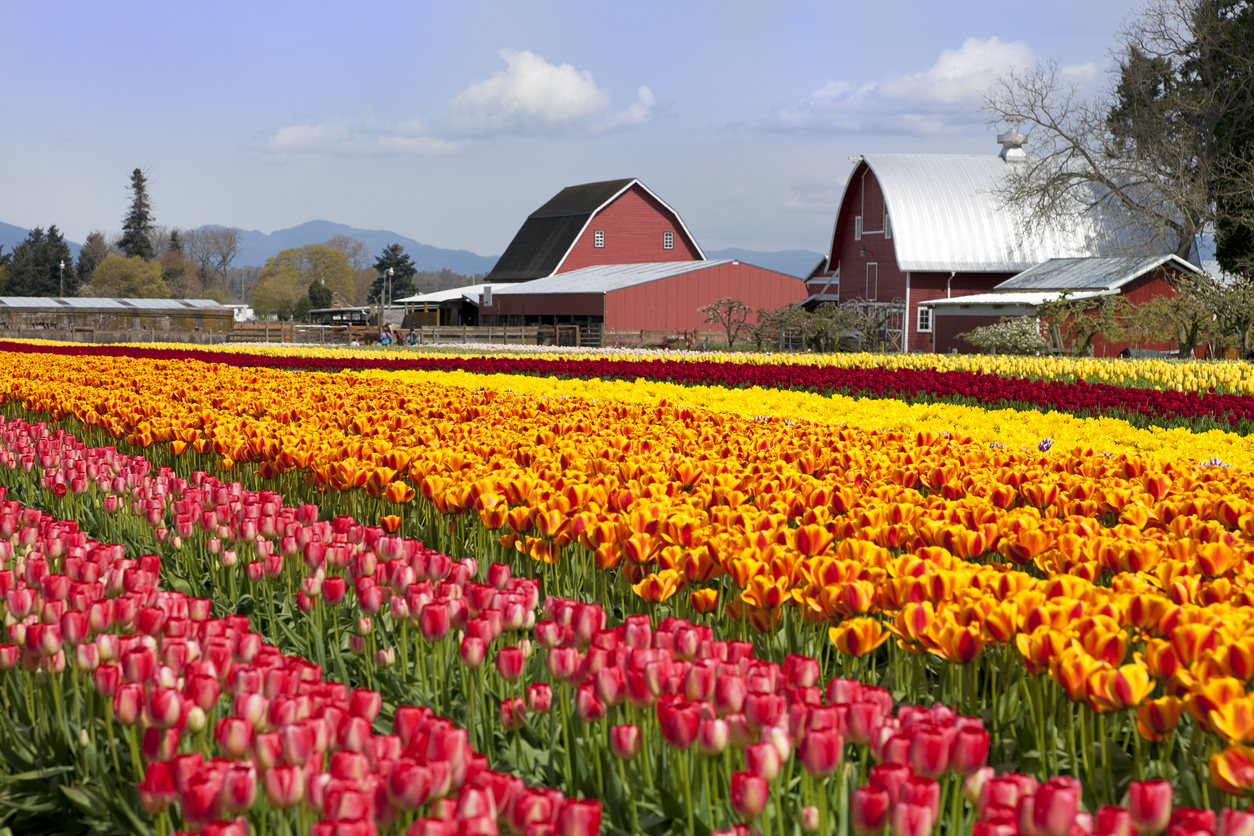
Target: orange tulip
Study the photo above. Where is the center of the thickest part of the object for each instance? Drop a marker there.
(704, 600)
(858, 636)
(1155, 719)
(400, 493)
(391, 523)
(659, 586)
(1232, 770)
(1234, 720)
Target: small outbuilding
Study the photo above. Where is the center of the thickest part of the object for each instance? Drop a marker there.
(74, 313)
(1138, 279)
(659, 296)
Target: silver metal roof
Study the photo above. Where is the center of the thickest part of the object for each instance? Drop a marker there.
(602, 278)
(87, 302)
(1089, 273)
(946, 216)
(448, 294)
(1007, 300)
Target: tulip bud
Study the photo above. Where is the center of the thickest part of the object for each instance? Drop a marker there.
(625, 741)
(539, 697)
(509, 663)
(473, 650)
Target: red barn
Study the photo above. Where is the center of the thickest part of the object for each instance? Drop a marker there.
(914, 228)
(660, 296)
(613, 222)
(1136, 279)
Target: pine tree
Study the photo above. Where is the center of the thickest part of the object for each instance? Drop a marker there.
(137, 228)
(93, 252)
(36, 269)
(403, 272)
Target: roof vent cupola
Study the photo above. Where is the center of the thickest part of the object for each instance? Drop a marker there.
(1012, 146)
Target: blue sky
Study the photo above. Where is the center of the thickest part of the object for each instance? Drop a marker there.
(450, 122)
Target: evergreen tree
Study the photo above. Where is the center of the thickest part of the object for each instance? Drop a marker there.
(176, 241)
(403, 272)
(137, 228)
(36, 269)
(93, 252)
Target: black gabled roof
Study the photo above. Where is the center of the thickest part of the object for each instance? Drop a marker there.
(548, 233)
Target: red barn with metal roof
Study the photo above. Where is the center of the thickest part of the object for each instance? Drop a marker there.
(915, 228)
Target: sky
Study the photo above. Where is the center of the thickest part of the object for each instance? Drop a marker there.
(450, 122)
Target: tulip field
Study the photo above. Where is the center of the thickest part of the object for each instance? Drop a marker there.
(321, 592)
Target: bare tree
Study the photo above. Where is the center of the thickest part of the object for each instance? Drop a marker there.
(730, 315)
(1151, 157)
(357, 252)
(213, 249)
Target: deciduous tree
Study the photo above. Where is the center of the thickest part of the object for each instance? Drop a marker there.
(287, 276)
(129, 277)
(729, 314)
(212, 249)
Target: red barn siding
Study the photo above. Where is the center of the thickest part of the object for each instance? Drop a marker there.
(865, 198)
(633, 225)
(928, 287)
(546, 304)
(948, 327)
(671, 304)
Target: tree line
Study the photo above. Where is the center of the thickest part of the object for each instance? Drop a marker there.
(148, 260)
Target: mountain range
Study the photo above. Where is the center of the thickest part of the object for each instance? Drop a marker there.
(257, 246)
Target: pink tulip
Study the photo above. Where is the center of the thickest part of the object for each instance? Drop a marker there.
(365, 703)
(820, 752)
(579, 818)
(539, 697)
(156, 791)
(128, 703)
(763, 758)
(588, 705)
(729, 694)
(1054, 810)
(911, 820)
(509, 663)
(513, 713)
(891, 778)
(234, 736)
(165, 705)
(472, 651)
(434, 620)
(969, 751)
(1232, 823)
(712, 736)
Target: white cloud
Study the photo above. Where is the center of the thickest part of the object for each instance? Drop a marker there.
(356, 138)
(943, 98)
(529, 97)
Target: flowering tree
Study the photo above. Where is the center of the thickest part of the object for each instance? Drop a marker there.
(730, 315)
(1010, 335)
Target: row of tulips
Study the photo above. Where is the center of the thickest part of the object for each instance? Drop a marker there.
(1143, 406)
(224, 730)
(1202, 615)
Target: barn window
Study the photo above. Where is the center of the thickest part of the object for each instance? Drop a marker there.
(872, 281)
(857, 227)
(668, 240)
(924, 322)
(888, 227)
(598, 238)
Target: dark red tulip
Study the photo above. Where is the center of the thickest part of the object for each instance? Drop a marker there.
(679, 724)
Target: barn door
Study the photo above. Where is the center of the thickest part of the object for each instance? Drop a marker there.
(872, 281)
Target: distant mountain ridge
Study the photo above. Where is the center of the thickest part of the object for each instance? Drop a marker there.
(257, 246)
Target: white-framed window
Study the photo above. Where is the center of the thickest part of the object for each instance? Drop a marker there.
(888, 227)
(872, 281)
(668, 240)
(598, 238)
(857, 227)
(923, 320)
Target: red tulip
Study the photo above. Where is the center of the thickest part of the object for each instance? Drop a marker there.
(106, 679)
(473, 649)
(434, 621)
(762, 710)
(588, 705)
(353, 734)
(199, 799)
(539, 697)
(409, 785)
(513, 713)
(86, 657)
(1232, 823)
(611, 685)
(234, 736)
(891, 778)
(156, 791)
(239, 789)
(868, 810)
(334, 589)
(712, 736)
(625, 741)
(509, 663)
(9, 654)
(679, 723)
(137, 664)
(800, 671)
(165, 705)
(75, 628)
(1149, 804)
(562, 663)
(969, 752)
(365, 703)
(748, 794)
(285, 786)
(531, 807)
(929, 749)
(820, 752)
(1054, 810)
(579, 818)
(763, 758)
(1188, 821)
(911, 820)
(729, 694)
(128, 703)
(296, 742)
